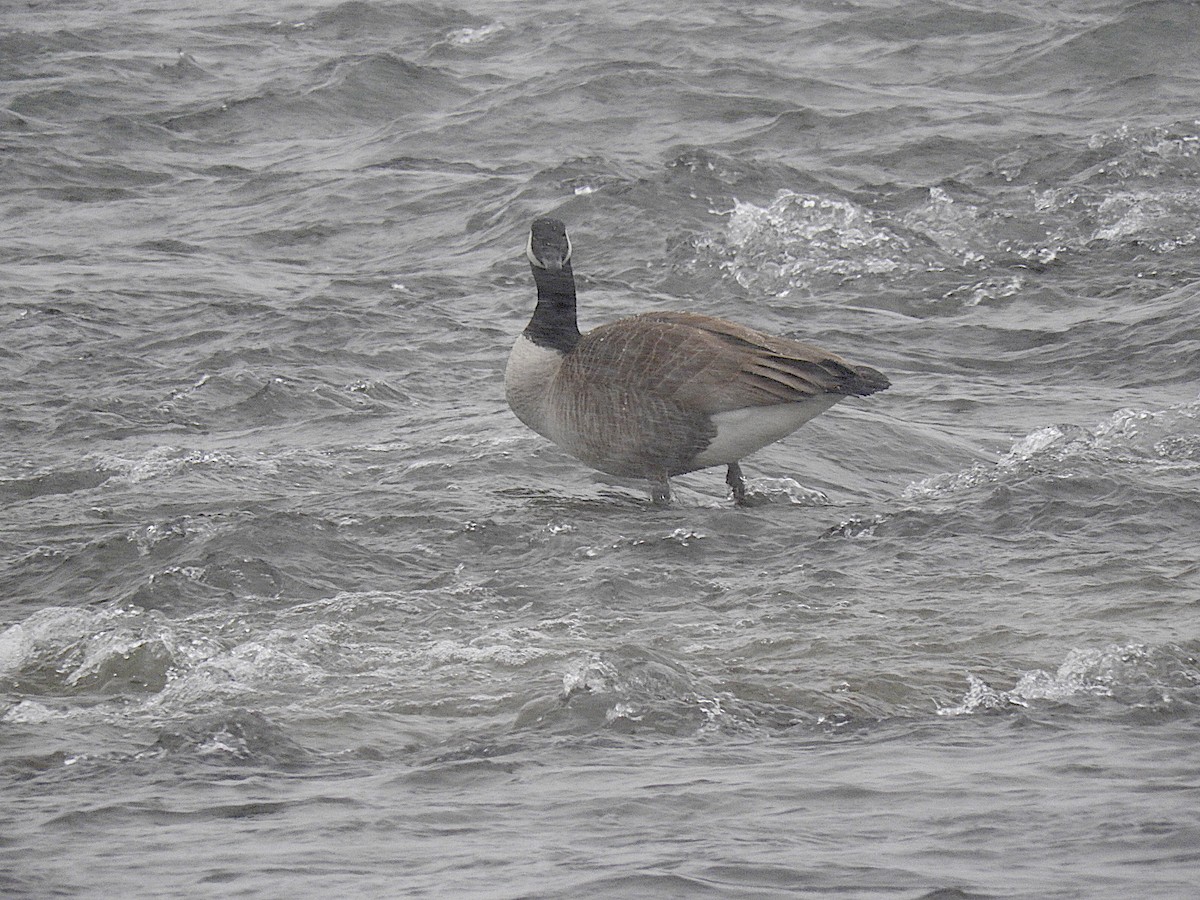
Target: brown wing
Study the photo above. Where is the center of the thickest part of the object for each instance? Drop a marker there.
(710, 365)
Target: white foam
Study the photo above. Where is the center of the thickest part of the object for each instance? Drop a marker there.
(1086, 672)
(1165, 438)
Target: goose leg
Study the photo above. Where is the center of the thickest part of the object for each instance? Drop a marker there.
(660, 490)
(737, 483)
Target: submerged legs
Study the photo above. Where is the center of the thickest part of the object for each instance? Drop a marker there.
(660, 490)
(660, 486)
(737, 483)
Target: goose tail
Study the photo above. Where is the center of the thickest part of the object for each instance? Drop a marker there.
(866, 381)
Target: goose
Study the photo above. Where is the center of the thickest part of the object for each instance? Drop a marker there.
(662, 393)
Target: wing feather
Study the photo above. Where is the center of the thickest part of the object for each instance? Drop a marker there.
(711, 365)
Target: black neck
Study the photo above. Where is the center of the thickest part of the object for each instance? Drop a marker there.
(553, 324)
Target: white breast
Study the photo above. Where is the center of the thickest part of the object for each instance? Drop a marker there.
(742, 431)
(527, 379)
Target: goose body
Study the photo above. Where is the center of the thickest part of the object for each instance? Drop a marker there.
(662, 394)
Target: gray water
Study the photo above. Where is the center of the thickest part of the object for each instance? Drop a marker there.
(292, 606)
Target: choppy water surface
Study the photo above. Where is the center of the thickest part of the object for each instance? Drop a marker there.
(290, 603)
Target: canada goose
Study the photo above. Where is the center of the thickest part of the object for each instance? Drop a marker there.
(662, 393)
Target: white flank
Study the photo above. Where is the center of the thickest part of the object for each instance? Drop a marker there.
(742, 431)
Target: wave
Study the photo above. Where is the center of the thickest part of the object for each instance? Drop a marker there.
(1167, 439)
(1124, 187)
(1161, 680)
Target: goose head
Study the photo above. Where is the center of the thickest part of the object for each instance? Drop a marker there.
(549, 248)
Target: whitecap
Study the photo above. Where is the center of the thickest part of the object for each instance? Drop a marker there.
(1085, 672)
(1163, 438)
(798, 236)
(465, 37)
